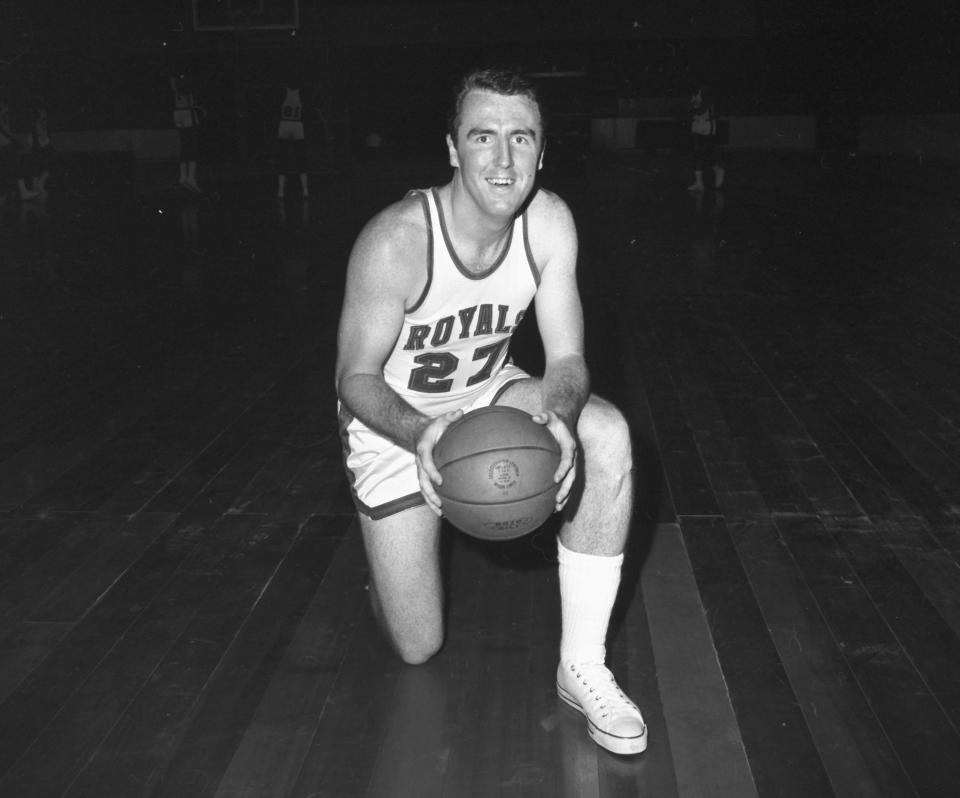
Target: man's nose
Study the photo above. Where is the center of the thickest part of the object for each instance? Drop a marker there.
(504, 153)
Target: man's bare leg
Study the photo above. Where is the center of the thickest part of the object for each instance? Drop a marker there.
(603, 507)
(590, 556)
(406, 588)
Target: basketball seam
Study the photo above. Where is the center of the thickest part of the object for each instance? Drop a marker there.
(468, 455)
(463, 503)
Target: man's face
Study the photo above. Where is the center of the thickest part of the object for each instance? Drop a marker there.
(498, 151)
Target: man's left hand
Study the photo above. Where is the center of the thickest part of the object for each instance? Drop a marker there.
(566, 470)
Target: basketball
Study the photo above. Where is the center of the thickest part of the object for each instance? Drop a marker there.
(497, 466)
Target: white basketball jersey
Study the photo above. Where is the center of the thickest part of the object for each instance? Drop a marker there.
(457, 335)
(291, 108)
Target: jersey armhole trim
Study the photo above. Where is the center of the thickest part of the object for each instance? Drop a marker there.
(425, 205)
(534, 271)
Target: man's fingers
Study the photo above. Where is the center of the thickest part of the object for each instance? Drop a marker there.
(427, 472)
(565, 487)
(568, 459)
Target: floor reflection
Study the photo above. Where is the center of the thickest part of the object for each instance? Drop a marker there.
(413, 752)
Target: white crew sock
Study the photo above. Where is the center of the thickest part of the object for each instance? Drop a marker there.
(588, 588)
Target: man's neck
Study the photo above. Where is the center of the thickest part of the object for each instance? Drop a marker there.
(478, 238)
(469, 222)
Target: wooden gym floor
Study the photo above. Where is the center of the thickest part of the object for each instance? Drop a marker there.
(182, 586)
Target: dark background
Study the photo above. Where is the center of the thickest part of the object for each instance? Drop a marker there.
(383, 67)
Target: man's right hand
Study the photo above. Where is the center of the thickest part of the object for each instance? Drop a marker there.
(427, 473)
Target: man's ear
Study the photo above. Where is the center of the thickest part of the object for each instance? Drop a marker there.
(540, 162)
(452, 150)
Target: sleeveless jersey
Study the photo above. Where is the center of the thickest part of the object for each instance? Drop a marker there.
(702, 122)
(456, 336)
(292, 108)
(184, 113)
(291, 116)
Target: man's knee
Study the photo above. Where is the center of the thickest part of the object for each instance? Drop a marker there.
(605, 435)
(406, 591)
(416, 640)
(419, 648)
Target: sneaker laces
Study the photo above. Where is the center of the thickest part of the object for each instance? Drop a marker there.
(603, 692)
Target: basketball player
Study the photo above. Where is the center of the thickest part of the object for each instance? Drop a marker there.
(436, 284)
(186, 119)
(41, 151)
(14, 168)
(292, 145)
(703, 128)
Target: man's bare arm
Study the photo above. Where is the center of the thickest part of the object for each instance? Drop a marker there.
(566, 380)
(387, 268)
(565, 387)
(381, 275)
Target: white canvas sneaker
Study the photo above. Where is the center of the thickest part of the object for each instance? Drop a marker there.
(613, 720)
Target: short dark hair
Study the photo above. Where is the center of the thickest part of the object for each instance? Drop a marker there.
(511, 82)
